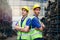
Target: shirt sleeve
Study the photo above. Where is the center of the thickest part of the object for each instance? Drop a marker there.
(16, 23)
(36, 23)
(28, 23)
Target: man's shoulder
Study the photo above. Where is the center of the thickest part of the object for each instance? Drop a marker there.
(34, 18)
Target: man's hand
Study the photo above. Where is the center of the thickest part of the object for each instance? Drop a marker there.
(37, 28)
(17, 28)
(42, 25)
(26, 29)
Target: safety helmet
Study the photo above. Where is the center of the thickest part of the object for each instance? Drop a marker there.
(36, 6)
(25, 7)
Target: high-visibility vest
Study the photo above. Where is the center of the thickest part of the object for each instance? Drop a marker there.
(23, 35)
(35, 33)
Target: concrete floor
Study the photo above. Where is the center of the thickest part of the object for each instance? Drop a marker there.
(11, 38)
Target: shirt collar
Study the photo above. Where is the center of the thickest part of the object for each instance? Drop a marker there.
(35, 16)
(23, 18)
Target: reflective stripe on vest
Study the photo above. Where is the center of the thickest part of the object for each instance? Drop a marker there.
(19, 33)
(35, 33)
(24, 35)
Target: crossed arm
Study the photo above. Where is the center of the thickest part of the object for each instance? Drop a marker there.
(41, 28)
(26, 29)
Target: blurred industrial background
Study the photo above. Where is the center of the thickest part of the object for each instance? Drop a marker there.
(10, 13)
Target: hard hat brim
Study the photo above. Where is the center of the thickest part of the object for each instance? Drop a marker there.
(25, 9)
(37, 7)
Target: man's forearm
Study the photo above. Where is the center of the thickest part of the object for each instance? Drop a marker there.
(41, 29)
(17, 28)
(42, 25)
(24, 30)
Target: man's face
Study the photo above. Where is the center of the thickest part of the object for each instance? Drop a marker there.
(24, 12)
(37, 11)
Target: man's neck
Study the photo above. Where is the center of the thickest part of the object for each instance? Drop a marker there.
(24, 16)
(35, 15)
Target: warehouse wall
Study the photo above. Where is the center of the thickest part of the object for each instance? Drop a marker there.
(5, 11)
(17, 4)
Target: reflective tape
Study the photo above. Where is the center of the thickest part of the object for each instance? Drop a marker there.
(24, 35)
(36, 33)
